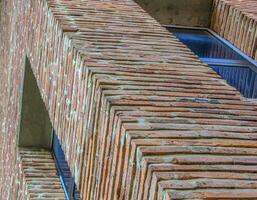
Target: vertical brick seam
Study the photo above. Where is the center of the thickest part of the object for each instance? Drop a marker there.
(237, 23)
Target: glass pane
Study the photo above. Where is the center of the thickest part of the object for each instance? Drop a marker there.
(204, 44)
(229, 64)
(64, 170)
(242, 78)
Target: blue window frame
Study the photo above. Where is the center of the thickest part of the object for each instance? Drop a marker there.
(64, 172)
(230, 63)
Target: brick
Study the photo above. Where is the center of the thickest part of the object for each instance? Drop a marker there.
(139, 116)
(237, 22)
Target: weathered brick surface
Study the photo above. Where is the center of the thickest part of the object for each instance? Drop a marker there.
(39, 176)
(236, 20)
(139, 116)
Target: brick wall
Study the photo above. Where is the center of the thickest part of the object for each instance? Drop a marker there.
(136, 111)
(39, 176)
(236, 21)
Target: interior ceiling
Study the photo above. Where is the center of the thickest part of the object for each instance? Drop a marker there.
(179, 12)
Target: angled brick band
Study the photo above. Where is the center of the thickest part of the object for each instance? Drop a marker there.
(138, 114)
(40, 180)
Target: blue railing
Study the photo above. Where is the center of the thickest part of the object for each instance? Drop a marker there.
(230, 63)
(64, 171)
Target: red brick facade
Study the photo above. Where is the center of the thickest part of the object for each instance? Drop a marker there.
(39, 176)
(236, 21)
(138, 114)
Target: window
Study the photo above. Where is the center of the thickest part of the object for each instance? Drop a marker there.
(36, 131)
(231, 64)
(64, 172)
(35, 125)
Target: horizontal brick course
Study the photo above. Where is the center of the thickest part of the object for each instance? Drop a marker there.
(138, 114)
(40, 177)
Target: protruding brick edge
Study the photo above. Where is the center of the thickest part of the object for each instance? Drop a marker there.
(236, 21)
(132, 106)
(40, 179)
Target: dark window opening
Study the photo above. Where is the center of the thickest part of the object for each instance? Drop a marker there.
(230, 63)
(35, 125)
(36, 132)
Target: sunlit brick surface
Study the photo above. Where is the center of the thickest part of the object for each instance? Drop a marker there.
(236, 20)
(138, 115)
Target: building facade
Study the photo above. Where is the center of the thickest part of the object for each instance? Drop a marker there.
(137, 114)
